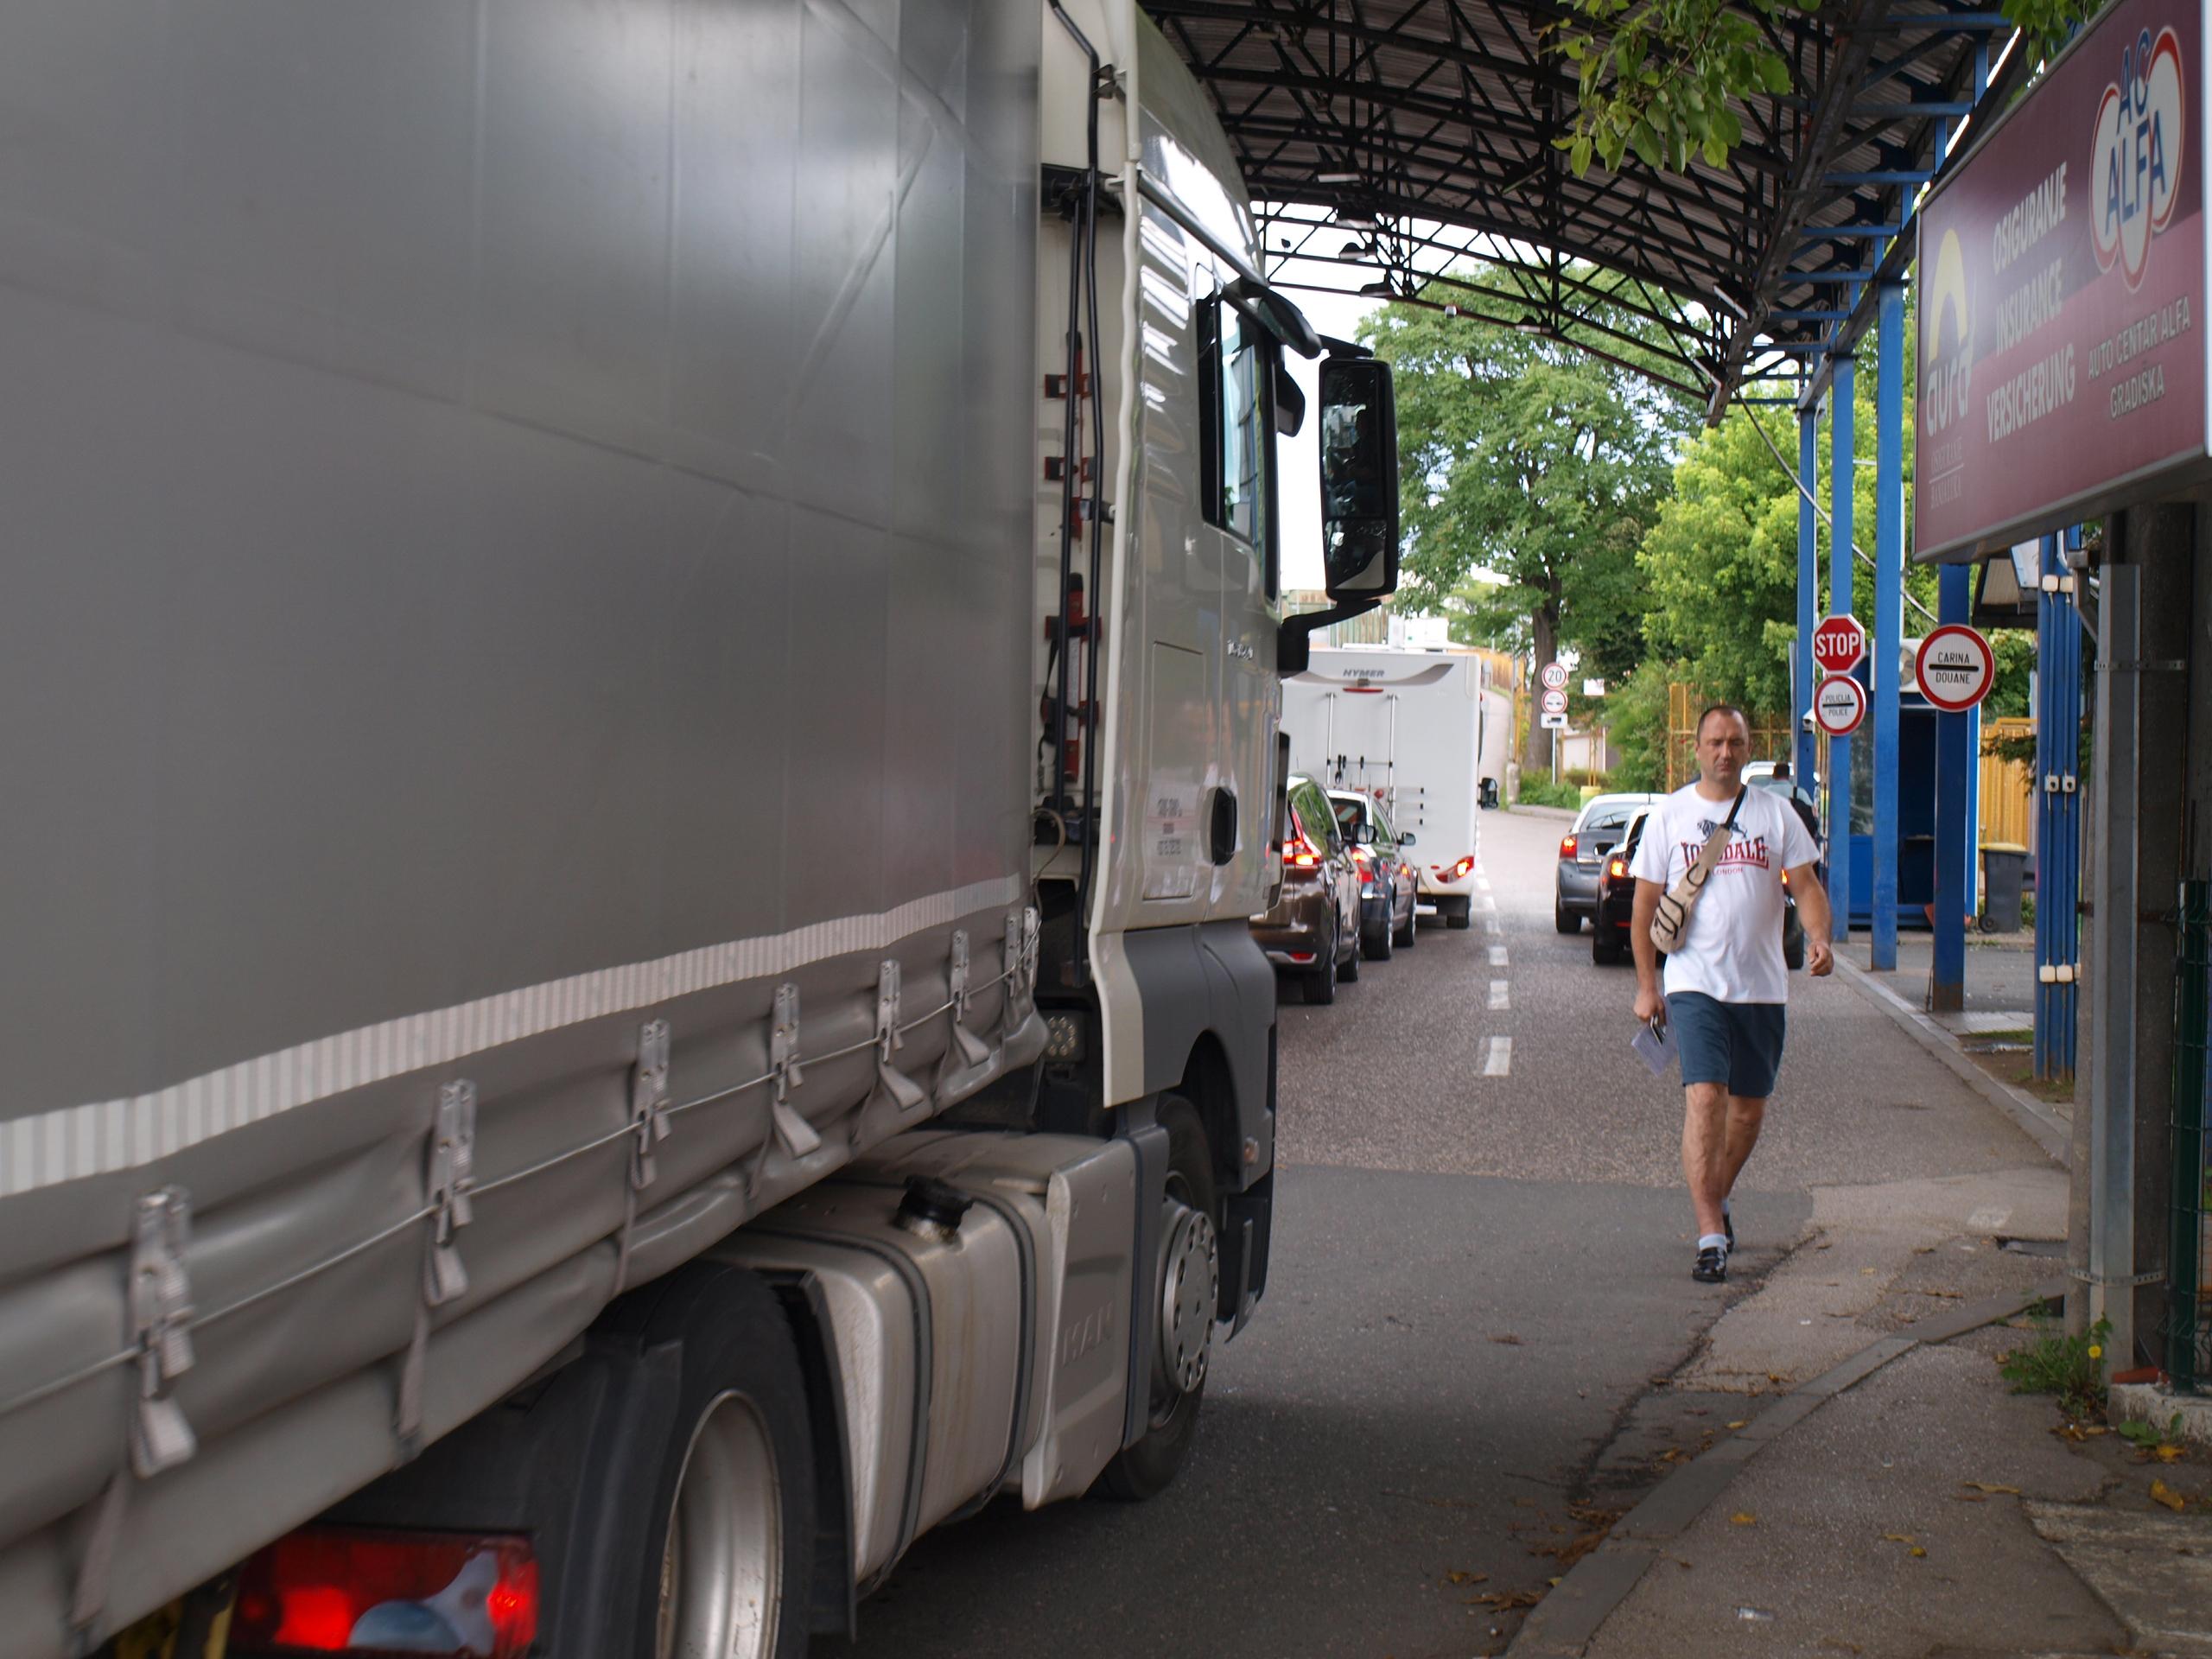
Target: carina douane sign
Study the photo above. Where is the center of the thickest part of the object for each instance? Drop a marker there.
(2061, 294)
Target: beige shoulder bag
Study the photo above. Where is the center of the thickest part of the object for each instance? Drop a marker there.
(1670, 923)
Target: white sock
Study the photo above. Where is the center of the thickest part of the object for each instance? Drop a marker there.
(1713, 1241)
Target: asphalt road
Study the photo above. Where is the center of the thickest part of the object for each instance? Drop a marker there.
(1481, 1264)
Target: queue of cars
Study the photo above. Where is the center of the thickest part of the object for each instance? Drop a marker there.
(1349, 889)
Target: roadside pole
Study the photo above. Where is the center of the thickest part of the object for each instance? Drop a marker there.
(1808, 744)
(1888, 613)
(1953, 829)
(1840, 391)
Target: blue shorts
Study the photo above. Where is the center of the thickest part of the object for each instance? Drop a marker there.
(1735, 1044)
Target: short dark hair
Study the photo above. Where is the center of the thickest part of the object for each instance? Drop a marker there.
(1713, 708)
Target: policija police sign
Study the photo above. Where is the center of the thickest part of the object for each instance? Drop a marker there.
(2062, 270)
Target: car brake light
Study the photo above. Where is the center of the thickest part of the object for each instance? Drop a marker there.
(1618, 867)
(340, 1590)
(1301, 853)
(1567, 846)
(1785, 880)
(1361, 856)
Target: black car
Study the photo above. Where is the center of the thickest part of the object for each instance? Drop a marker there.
(1608, 928)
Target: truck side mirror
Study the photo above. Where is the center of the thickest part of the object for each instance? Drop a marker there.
(1359, 479)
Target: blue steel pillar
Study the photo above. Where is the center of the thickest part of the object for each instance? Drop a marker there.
(1842, 473)
(1808, 597)
(1889, 610)
(1955, 759)
(2058, 824)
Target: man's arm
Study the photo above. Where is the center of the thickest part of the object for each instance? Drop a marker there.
(1818, 919)
(1650, 1003)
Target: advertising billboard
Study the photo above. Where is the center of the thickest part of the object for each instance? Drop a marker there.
(2062, 285)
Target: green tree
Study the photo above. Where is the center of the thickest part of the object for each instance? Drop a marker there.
(1527, 458)
(1657, 77)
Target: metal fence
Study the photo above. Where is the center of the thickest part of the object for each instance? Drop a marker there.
(1770, 738)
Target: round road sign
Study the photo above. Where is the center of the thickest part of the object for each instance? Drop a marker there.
(1555, 702)
(1554, 677)
(1838, 644)
(1955, 667)
(1840, 705)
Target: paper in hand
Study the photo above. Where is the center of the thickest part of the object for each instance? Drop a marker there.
(1656, 1043)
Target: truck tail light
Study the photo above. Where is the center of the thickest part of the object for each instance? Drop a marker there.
(1457, 872)
(340, 1590)
(1566, 845)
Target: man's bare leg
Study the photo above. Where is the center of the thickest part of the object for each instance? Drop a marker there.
(1745, 1116)
(1705, 1146)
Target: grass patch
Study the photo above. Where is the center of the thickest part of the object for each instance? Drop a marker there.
(1542, 791)
(2069, 1367)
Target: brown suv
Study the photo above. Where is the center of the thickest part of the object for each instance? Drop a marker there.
(1314, 928)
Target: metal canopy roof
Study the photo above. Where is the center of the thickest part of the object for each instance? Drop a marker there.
(1405, 125)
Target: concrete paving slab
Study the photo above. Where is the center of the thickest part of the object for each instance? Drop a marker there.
(2155, 1571)
(1835, 1508)
(1863, 1240)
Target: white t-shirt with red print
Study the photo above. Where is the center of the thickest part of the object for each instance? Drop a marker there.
(1733, 952)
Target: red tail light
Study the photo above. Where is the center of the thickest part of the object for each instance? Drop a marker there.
(1618, 867)
(1464, 868)
(1785, 880)
(1566, 845)
(1362, 857)
(336, 1590)
(1300, 853)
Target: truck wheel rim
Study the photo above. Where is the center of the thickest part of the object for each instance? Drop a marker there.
(1189, 1286)
(723, 1567)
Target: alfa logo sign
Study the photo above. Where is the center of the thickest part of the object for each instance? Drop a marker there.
(1838, 644)
(2139, 153)
(1955, 668)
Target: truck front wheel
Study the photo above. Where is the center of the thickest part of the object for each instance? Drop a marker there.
(729, 1564)
(1186, 1293)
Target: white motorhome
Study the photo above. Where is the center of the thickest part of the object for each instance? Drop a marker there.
(1411, 726)
(644, 641)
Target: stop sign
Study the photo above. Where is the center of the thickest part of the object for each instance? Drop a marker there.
(1838, 644)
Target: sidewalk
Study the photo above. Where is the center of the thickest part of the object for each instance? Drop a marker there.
(1850, 1471)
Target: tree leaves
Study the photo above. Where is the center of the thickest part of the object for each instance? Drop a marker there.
(1656, 76)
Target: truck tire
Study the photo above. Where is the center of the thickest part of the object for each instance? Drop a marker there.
(729, 1542)
(1458, 913)
(1190, 1249)
(1321, 978)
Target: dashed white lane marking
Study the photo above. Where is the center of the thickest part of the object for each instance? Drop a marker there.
(1482, 884)
(1988, 1219)
(1498, 994)
(1490, 924)
(1501, 1058)
(1497, 956)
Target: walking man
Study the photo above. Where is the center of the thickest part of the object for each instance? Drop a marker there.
(1725, 982)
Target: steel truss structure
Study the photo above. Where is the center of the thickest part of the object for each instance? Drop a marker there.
(1397, 133)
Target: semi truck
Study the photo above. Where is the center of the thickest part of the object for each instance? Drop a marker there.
(642, 662)
(1419, 729)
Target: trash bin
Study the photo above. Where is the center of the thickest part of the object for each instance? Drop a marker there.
(2004, 869)
(1489, 796)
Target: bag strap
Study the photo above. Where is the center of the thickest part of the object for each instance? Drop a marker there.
(1716, 843)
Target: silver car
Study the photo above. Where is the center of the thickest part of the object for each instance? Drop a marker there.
(1600, 826)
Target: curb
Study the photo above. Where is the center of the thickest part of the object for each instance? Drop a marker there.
(1563, 1624)
(2035, 1118)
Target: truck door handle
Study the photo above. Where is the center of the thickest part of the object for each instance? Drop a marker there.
(1221, 833)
